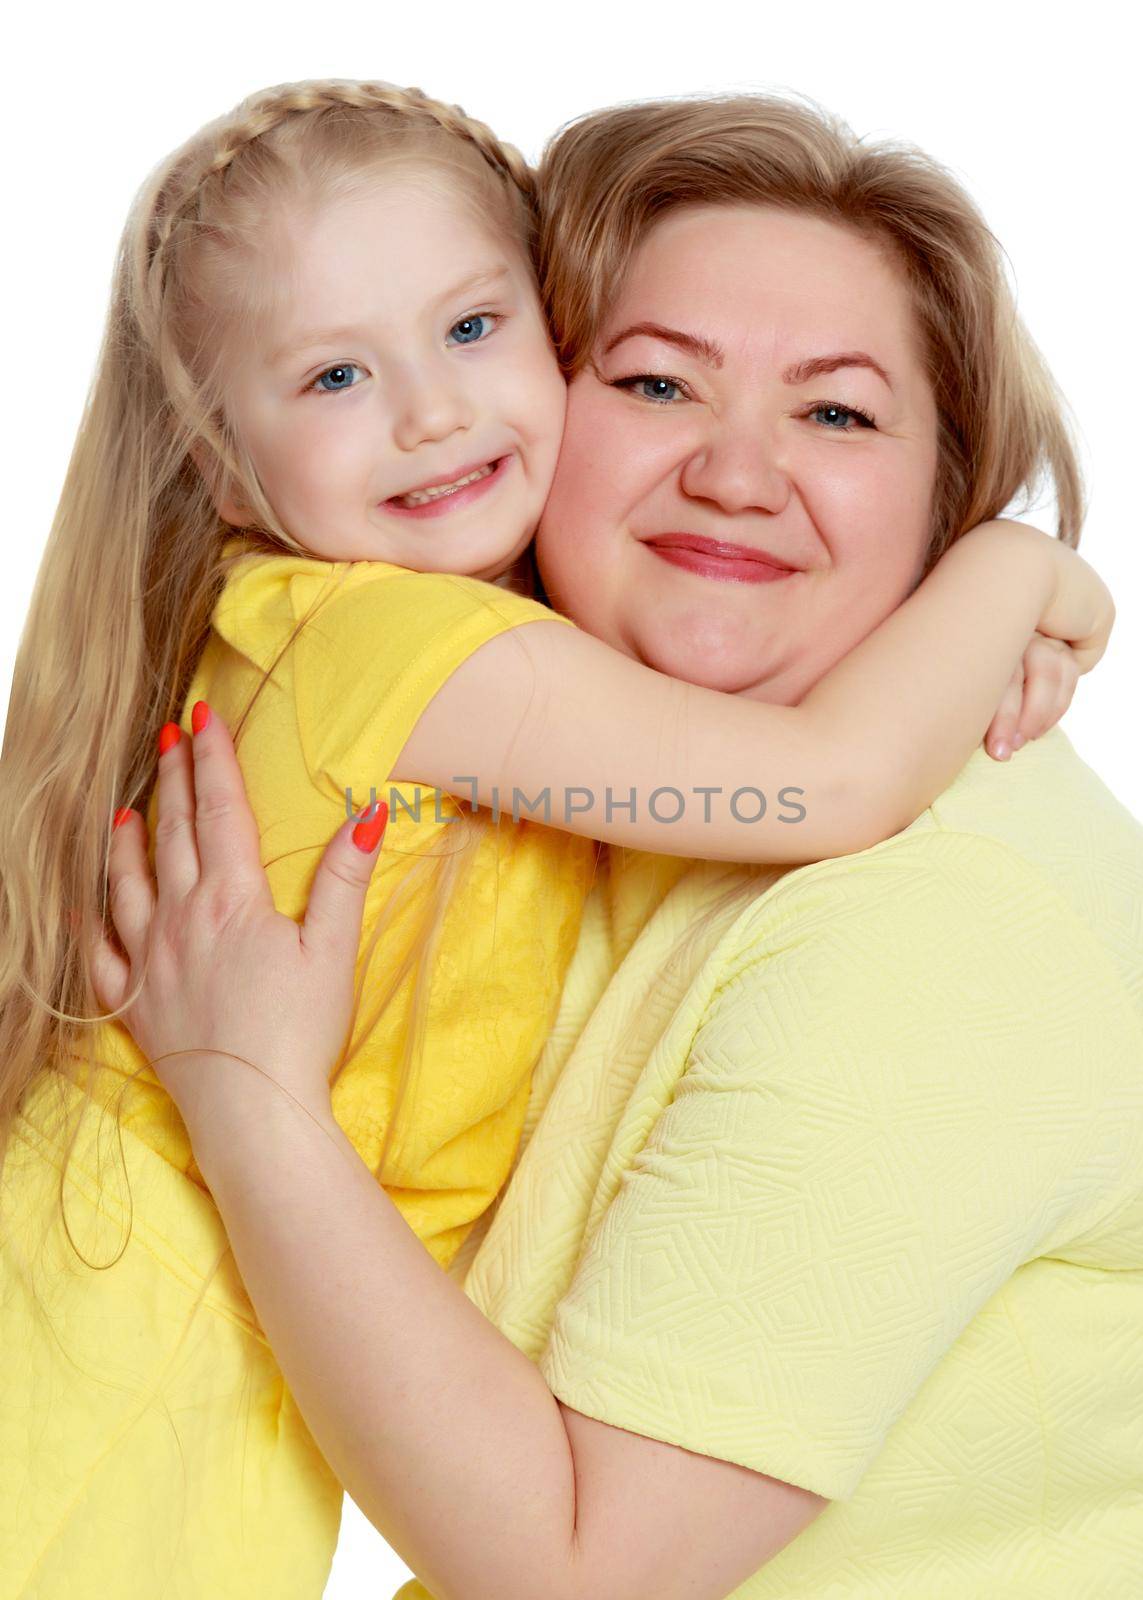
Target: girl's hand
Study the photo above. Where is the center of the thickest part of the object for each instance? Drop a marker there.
(214, 975)
(1073, 633)
(1040, 692)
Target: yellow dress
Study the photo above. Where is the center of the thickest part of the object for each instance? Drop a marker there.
(839, 1175)
(148, 1445)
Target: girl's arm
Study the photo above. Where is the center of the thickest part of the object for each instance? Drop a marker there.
(548, 709)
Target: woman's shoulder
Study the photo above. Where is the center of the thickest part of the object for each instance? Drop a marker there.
(1032, 801)
(1038, 840)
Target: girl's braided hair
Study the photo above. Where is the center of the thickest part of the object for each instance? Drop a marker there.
(180, 184)
(208, 203)
(138, 534)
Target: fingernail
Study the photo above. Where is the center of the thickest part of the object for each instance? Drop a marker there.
(121, 816)
(1001, 750)
(169, 735)
(1017, 740)
(368, 832)
(200, 716)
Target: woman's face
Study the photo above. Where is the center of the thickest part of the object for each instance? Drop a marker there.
(759, 383)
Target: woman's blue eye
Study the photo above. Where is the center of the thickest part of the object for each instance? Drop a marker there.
(334, 379)
(837, 417)
(654, 379)
(472, 329)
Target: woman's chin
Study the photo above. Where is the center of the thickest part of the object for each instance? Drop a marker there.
(707, 652)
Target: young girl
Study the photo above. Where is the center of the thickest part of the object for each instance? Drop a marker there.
(324, 425)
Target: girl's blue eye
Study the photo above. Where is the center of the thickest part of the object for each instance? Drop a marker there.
(472, 329)
(836, 417)
(334, 379)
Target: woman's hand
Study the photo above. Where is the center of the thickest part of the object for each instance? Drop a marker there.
(215, 976)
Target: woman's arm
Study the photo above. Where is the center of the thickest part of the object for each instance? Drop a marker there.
(550, 709)
(446, 1435)
(444, 1432)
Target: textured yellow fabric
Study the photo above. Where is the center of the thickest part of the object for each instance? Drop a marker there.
(842, 1179)
(148, 1446)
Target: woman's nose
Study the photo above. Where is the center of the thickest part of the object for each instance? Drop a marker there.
(740, 467)
(429, 405)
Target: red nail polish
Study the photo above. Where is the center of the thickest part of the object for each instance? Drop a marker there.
(367, 833)
(200, 716)
(121, 816)
(169, 735)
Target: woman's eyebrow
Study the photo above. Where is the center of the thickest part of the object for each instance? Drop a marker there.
(711, 354)
(815, 366)
(704, 350)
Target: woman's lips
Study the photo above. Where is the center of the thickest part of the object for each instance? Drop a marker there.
(711, 558)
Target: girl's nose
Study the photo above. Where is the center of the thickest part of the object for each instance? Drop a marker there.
(738, 466)
(428, 407)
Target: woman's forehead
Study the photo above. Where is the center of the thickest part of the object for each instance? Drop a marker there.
(760, 273)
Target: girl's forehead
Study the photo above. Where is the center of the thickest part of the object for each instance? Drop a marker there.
(406, 209)
(374, 259)
(406, 232)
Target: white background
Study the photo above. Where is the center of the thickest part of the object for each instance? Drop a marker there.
(1032, 107)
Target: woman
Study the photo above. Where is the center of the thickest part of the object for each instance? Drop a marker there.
(821, 1266)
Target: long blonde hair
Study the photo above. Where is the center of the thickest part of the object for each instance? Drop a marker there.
(122, 605)
(606, 178)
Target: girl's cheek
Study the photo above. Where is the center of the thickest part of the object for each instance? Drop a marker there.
(331, 444)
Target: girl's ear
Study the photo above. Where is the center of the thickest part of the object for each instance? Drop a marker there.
(228, 506)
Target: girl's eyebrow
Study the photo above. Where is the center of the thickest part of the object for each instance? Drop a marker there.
(310, 338)
(711, 355)
(482, 278)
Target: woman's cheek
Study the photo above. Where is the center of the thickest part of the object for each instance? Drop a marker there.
(573, 537)
(571, 512)
(864, 502)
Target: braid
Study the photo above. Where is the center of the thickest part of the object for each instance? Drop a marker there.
(176, 193)
(186, 202)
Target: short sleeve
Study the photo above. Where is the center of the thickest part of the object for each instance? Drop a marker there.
(373, 652)
(875, 1127)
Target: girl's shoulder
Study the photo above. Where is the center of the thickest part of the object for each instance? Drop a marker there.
(356, 650)
(268, 592)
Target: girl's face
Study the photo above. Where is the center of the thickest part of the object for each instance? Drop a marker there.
(759, 383)
(404, 346)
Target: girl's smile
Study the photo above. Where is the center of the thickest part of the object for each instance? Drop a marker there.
(377, 379)
(437, 499)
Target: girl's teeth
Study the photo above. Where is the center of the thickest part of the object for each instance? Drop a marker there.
(420, 497)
